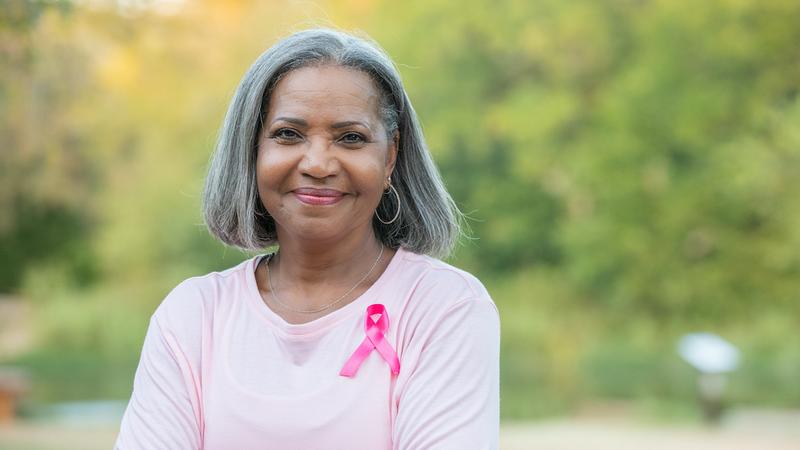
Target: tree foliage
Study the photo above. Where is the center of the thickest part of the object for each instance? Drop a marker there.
(631, 168)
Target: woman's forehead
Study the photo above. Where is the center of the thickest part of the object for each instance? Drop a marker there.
(324, 91)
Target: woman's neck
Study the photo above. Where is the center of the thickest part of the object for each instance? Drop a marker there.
(310, 264)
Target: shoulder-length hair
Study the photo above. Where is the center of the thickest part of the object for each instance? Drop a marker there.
(428, 222)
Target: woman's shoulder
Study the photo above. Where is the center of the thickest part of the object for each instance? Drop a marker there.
(434, 271)
(194, 299)
(434, 278)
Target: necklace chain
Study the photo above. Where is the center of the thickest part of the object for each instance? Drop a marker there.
(302, 311)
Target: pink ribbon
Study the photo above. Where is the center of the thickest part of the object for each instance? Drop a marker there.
(374, 339)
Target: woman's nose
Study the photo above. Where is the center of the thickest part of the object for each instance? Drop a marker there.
(319, 160)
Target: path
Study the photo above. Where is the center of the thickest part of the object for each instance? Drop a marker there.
(744, 430)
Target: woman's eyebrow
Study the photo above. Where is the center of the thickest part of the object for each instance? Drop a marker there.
(302, 123)
(350, 123)
(293, 120)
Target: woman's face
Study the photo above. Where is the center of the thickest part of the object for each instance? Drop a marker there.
(323, 154)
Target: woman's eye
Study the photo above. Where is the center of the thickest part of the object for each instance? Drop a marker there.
(286, 134)
(352, 138)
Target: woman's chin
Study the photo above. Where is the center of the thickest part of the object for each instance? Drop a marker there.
(318, 229)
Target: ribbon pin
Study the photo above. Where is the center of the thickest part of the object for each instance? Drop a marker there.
(374, 339)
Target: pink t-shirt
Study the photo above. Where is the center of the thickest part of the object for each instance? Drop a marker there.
(220, 370)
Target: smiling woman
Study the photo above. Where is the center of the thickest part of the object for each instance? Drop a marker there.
(352, 335)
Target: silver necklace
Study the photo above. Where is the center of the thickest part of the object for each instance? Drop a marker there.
(290, 308)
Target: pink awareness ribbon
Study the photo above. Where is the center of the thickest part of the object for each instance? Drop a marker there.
(374, 339)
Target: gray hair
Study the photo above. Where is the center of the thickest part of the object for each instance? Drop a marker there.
(429, 221)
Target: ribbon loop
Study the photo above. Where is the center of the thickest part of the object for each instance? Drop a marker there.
(374, 339)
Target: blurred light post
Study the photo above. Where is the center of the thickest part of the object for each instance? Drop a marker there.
(713, 357)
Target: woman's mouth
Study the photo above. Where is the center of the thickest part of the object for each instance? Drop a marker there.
(312, 196)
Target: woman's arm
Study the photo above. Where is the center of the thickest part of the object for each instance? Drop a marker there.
(164, 411)
(451, 397)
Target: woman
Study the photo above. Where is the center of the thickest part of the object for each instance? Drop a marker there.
(351, 335)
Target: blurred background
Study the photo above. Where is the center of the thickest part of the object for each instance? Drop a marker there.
(631, 168)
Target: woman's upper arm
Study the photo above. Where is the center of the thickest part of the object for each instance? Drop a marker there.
(451, 397)
(165, 407)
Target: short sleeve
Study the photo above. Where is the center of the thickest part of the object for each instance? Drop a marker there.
(164, 409)
(451, 397)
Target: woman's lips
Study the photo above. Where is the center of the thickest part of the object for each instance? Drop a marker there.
(318, 196)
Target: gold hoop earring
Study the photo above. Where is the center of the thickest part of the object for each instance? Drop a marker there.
(396, 214)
